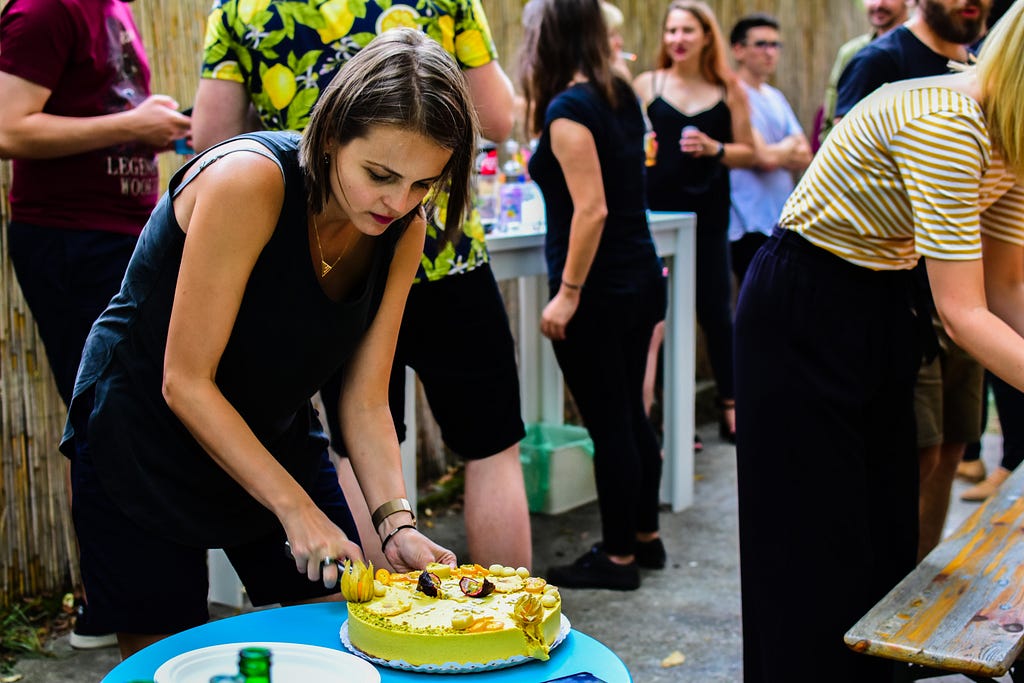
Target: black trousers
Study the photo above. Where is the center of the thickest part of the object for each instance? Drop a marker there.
(742, 252)
(68, 277)
(714, 292)
(826, 358)
(603, 359)
(1010, 404)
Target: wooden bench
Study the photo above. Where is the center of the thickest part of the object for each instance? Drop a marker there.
(962, 608)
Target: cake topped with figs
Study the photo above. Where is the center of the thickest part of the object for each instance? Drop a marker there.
(450, 616)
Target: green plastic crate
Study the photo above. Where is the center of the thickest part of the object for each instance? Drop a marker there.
(558, 467)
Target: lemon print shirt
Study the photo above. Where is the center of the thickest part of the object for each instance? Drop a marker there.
(286, 52)
(909, 172)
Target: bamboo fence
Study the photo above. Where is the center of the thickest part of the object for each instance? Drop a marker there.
(36, 539)
(812, 31)
(37, 550)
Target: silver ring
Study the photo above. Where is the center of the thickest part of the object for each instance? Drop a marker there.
(327, 561)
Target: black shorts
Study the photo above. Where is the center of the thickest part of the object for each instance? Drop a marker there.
(455, 334)
(138, 582)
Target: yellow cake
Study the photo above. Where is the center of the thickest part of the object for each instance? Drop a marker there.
(478, 615)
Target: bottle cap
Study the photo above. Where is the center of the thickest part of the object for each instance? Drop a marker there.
(512, 168)
(489, 165)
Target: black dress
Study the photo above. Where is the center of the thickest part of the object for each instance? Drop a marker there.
(680, 182)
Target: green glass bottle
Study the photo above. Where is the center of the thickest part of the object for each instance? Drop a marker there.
(254, 664)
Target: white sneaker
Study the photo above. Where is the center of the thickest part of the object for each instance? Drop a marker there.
(86, 637)
(83, 642)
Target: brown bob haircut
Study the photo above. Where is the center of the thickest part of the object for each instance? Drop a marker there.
(403, 79)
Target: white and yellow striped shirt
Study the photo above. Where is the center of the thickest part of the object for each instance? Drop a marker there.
(910, 171)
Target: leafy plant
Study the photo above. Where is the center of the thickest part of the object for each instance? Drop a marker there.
(26, 626)
(447, 490)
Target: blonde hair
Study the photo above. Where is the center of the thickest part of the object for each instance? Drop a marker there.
(1000, 73)
(613, 17)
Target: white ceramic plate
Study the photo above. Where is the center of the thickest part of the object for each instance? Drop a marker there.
(451, 667)
(288, 662)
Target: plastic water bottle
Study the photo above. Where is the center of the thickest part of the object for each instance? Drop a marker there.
(486, 191)
(532, 216)
(510, 215)
(510, 197)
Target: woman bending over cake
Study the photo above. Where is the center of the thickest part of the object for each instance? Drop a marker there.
(607, 290)
(272, 261)
(828, 343)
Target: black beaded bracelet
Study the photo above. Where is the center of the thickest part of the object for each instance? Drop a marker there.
(391, 534)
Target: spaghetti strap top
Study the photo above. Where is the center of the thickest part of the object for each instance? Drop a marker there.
(676, 175)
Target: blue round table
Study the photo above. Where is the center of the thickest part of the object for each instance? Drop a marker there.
(319, 624)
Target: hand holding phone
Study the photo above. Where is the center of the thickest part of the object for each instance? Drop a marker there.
(183, 145)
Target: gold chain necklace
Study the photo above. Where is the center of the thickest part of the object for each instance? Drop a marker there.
(326, 267)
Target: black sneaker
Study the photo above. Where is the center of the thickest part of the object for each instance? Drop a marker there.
(648, 554)
(86, 636)
(651, 554)
(593, 569)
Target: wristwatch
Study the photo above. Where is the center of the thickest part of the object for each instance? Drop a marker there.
(720, 153)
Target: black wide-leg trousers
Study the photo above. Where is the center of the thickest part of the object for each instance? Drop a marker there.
(826, 357)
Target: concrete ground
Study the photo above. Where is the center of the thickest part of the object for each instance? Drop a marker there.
(692, 607)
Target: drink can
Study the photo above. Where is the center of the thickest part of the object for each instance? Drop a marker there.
(682, 135)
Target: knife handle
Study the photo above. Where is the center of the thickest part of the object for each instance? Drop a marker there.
(325, 561)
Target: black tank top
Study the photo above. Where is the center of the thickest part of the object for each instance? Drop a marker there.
(288, 338)
(679, 182)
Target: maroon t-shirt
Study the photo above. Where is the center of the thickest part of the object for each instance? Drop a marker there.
(88, 53)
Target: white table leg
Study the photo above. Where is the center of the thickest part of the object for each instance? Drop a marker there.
(408, 448)
(677, 477)
(541, 379)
